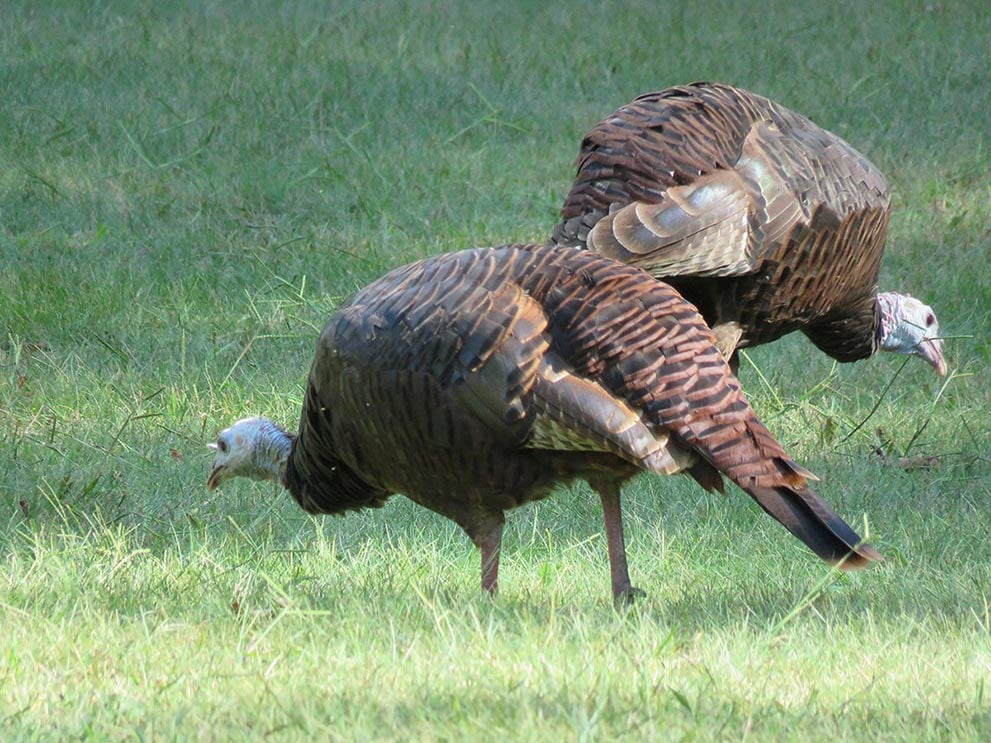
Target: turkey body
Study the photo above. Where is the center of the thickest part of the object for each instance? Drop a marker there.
(765, 221)
(475, 381)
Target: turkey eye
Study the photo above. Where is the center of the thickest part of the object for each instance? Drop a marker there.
(222, 445)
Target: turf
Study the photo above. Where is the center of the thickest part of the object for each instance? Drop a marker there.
(187, 190)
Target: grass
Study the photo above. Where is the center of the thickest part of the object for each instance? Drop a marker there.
(186, 191)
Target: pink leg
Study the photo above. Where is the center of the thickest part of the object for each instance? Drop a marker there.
(622, 591)
(490, 545)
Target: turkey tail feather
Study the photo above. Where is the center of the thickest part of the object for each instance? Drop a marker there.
(808, 517)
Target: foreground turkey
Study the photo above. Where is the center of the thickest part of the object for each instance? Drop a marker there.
(473, 382)
(763, 220)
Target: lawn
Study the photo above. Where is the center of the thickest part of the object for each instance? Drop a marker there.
(187, 190)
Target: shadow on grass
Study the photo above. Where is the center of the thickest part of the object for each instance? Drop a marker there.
(700, 558)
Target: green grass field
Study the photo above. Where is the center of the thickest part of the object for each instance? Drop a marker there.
(187, 192)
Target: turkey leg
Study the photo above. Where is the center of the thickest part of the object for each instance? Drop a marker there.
(623, 592)
(490, 544)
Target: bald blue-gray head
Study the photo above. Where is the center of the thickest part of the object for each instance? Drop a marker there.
(910, 327)
(253, 447)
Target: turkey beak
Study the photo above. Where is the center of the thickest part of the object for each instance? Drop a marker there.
(217, 473)
(216, 477)
(931, 349)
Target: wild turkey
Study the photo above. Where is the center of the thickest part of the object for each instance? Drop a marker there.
(475, 381)
(763, 220)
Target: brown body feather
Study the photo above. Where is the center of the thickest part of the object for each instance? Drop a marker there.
(475, 381)
(765, 221)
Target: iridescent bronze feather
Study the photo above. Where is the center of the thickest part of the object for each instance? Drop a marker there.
(763, 220)
(474, 382)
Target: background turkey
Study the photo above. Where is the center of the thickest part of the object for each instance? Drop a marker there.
(765, 221)
(475, 381)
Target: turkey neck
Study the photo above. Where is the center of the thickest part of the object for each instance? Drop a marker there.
(851, 336)
(271, 449)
